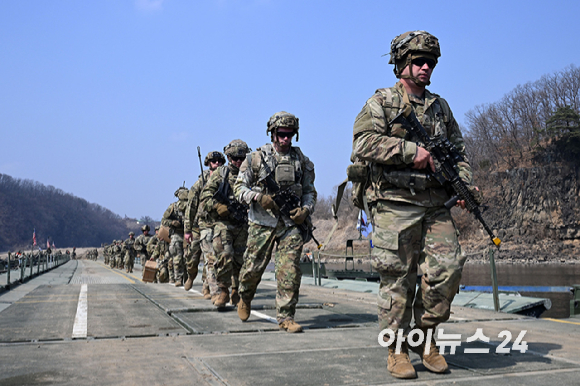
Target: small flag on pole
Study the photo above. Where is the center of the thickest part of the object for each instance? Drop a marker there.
(53, 244)
(47, 244)
(34, 237)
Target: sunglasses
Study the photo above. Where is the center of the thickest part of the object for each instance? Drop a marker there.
(238, 158)
(420, 62)
(285, 134)
(215, 160)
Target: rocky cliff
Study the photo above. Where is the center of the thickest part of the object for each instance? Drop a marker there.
(535, 212)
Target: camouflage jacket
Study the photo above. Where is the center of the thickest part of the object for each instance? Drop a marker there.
(250, 183)
(193, 198)
(387, 148)
(128, 246)
(207, 201)
(175, 212)
(151, 244)
(141, 244)
(161, 248)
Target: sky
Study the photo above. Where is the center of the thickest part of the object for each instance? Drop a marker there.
(109, 99)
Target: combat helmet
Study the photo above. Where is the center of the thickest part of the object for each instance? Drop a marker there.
(412, 45)
(236, 148)
(145, 227)
(181, 193)
(131, 233)
(282, 119)
(157, 227)
(214, 155)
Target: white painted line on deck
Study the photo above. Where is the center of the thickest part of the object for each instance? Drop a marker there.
(264, 316)
(195, 291)
(270, 285)
(80, 326)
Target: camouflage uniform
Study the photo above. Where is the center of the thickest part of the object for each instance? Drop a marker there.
(159, 252)
(267, 227)
(140, 245)
(229, 234)
(129, 252)
(118, 255)
(193, 254)
(173, 219)
(411, 227)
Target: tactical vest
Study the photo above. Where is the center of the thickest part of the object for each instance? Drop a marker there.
(287, 169)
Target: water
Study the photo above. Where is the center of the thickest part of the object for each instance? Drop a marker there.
(530, 275)
(511, 275)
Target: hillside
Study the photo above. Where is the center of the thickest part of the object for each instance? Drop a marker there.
(60, 217)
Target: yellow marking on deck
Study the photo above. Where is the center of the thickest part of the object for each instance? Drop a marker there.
(561, 321)
(120, 274)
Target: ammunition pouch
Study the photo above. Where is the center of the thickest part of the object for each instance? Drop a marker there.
(410, 179)
(358, 174)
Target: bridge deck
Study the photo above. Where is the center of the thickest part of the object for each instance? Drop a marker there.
(83, 323)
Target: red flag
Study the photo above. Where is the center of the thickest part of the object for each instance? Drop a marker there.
(34, 237)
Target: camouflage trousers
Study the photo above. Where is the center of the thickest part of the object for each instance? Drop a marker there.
(209, 257)
(119, 261)
(193, 254)
(229, 244)
(261, 240)
(176, 255)
(407, 237)
(129, 261)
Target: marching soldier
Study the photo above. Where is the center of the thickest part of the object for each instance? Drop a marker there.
(286, 167)
(213, 160)
(411, 226)
(229, 223)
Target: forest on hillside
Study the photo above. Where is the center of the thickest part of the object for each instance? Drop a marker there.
(57, 216)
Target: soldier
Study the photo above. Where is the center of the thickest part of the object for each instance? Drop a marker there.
(158, 249)
(152, 243)
(173, 219)
(119, 254)
(140, 245)
(230, 229)
(129, 252)
(213, 160)
(293, 171)
(106, 253)
(411, 227)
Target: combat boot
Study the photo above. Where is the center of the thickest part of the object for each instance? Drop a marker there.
(223, 297)
(399, 365)
(206, 293)
(290, 326)
(244, 309)
(179, 283)
(433, 361)
(189, 283)
(235, 296)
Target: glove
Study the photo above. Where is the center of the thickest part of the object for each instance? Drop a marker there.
(477, 195)
(221, 209)
(266, 202)
(299, 215)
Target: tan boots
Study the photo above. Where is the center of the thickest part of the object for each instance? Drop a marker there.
(290, 326)
(433, 361)
(399, 365)
(244, 310)
(223, 298)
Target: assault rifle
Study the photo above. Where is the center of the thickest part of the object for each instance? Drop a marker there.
(238, 210)
(445, 157)
(286, 200)
(200, 165)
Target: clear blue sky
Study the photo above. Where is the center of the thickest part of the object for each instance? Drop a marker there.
(109, 99)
